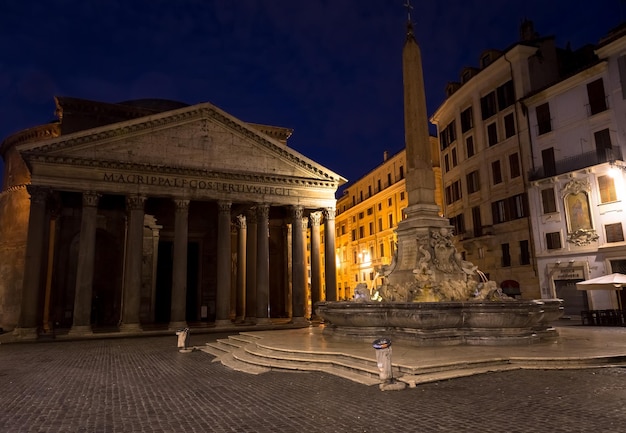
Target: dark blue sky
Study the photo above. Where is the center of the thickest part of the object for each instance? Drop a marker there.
(330, 69)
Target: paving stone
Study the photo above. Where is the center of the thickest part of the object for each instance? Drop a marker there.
(146, 385)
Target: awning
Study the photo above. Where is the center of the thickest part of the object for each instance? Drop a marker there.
(607, 282)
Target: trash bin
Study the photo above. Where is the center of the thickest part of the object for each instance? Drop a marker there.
(383, 358)
(183, 338)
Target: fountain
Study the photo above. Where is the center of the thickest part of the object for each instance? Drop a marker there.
(430, 294)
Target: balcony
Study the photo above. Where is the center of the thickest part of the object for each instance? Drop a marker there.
(587, 159)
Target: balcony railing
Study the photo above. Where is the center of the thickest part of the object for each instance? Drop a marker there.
(587, 159)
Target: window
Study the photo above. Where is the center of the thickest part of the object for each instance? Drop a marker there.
(488, 105)
(454, 157)
(469, 145)
(361, 215)
(509, 125)
(388, 179)
(621, 63)
(354, 256)
(389, 202)
(506, 255)
(343, 229)
(361, 232)
(553, 240)
(473, 182)
(448, 135)
(477, 224)
(446, 162)
(379, 186)
(467, 120)
(492, 134)
(402, 195)
(514, 167)
(401, 172)
(604, 148)
(548, 200)
(380, 206)
(509, 209)
(506, 95)
(597, 98)
(370, 210)
(614, 232)
(549, 163)
(371, 227)
(369, 191)
(524, 252)
(544, 124)
(382, 250)
(354, 235)
(496, 172)
(361, 195)
(453, 192)
(380, 224)
(606, 185)
(458, 222)
(390, 220)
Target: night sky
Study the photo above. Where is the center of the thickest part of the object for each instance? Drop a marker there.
(329, 69)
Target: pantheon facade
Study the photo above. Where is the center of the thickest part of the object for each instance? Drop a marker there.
(155, 213)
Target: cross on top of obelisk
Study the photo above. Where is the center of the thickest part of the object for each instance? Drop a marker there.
(408, 7)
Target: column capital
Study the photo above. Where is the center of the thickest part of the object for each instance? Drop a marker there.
(297, 211)
(38, 194)
(224, 206)
(263, 210)
(329, 213)
(251, 215)
(91, 198)
(241, 221)
(315, 218)
(181, 205)
(135, 202)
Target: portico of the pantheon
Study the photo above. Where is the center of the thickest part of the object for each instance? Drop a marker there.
(154, 213)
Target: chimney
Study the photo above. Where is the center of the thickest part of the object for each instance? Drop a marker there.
(385, 155)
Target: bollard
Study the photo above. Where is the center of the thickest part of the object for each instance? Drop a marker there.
(383, 361)
(183, 339)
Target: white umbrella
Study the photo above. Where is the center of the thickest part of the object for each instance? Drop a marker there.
(607, 282)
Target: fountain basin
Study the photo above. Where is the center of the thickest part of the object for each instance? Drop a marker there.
(443, 323)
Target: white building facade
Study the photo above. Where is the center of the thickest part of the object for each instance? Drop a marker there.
(577, 190)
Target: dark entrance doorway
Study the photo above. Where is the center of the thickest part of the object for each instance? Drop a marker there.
(163, 295)
(574, 301)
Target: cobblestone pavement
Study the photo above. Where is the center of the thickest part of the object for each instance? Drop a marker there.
(146, 385)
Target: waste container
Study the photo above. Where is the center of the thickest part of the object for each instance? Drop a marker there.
(183, 338)
(383, 358)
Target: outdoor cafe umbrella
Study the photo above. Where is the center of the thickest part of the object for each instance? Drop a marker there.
(614, 281)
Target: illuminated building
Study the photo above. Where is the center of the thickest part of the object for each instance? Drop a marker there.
(577, 181)
(367, 215)
(155, 213)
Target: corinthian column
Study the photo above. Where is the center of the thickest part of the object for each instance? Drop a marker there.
(241, 268)
(84, 274)
(316, 285)
(27, 324)
(223, 264)
(133, 261)
(299, 264)
(330, 263)
(263, 265)
(251, 251)
(179, 268)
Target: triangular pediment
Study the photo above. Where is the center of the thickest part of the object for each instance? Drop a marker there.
(199, 138)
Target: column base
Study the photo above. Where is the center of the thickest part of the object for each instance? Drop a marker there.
(299, 321)
(130, 327)
(79, 330)
(175, 326)
(223, 323)
(25, 333)
(263, 321)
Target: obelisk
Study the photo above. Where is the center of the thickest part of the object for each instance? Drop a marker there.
(422, 213)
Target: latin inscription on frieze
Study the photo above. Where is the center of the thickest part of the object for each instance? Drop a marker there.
(177, 182)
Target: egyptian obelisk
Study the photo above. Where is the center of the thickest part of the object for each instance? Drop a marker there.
(422, 213)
